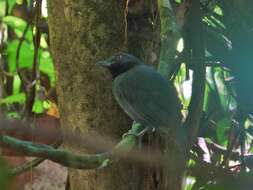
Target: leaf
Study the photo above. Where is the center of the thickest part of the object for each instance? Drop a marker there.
(15, 98)
(25, 55)
(38, 106)
(227, 101)
(16, 84)
(218, 10)
(26, 59)
(52, 110)
(18, 25)
(13, 115)
(47, 66)
(2, 9)
(11, 3)
(223, 126)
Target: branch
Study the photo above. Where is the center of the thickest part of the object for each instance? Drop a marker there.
(207, 171)
(31, 164)
(26, 166)
(81, 161)
(218, 149)
(194, 38)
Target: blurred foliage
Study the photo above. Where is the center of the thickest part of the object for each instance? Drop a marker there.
(20, 70)
(228, 101)
(17, 59)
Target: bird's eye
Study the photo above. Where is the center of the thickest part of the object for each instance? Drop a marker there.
(119, 57)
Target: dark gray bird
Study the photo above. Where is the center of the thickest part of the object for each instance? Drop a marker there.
(146, 96)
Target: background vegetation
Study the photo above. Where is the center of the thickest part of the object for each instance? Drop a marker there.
(221, 155)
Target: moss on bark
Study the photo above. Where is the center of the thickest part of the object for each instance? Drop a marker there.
(81, 33)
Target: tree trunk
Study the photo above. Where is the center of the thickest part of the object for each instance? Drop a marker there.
(81, 33)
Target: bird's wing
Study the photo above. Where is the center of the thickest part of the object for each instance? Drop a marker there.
(147, 97)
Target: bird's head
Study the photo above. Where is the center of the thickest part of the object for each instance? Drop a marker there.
(120, 63)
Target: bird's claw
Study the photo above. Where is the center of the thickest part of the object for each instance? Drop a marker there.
(139, 134)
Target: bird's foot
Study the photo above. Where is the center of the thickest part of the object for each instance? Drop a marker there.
(139, 134)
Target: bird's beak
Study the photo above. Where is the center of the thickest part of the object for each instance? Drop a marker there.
(104, 63)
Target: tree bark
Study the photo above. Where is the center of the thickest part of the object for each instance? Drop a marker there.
(81, 33)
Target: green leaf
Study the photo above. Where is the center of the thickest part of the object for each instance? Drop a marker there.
(13, 115)
(16, 98)
(189, 182)
(47, 66)
(2, 9)
(38, 106)
(206, 98)
(218, 10)
(25, 55)
(11, 4)
(16, 84)
(226, 99)
(222, 129)
(18, 25)
(26, 59)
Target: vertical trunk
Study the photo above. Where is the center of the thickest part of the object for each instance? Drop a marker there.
(143, 27)
(81, 33)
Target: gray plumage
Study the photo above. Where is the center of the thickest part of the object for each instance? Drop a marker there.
(145, 95)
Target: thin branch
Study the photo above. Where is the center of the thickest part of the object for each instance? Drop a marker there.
(30, 164)
(218, 149)
(207, 171)
(68, 159)
(35, 69)
(26, 166)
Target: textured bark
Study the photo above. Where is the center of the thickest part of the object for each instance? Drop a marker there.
(81, 33)
(143, 27)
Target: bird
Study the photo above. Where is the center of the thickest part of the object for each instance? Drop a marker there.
(145, 95)
(151, 100)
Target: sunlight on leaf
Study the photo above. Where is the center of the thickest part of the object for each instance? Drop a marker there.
(19, 26)
(47, 66)
(218, 10)
(2, 10)
(16, 84)
(189, 182)
(38, 106)
(180, 45)
(25, 55)
(15, 98)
